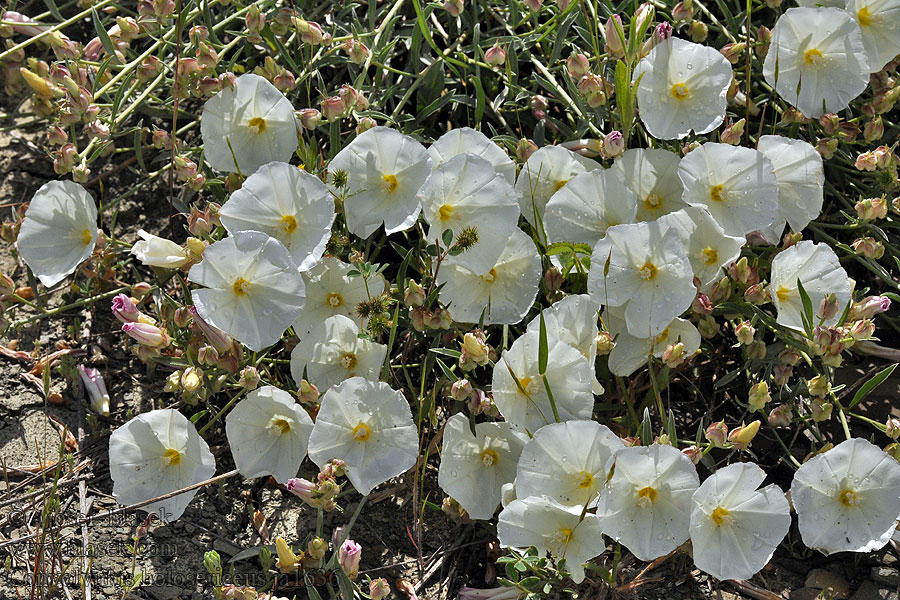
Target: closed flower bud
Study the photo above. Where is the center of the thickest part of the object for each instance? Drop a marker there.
(716, 433)
(454, 7)
(732, 134)
(781, 374)
(759, 396)
(741, 436)
(195, 248)
(125, 310)
(733, 52)
(868, 247)
(701, 305)
(829, 307)
(757, 294)
(818, 386)
(829, 122)
(495, 56)
(474, 350)
(698, 31)
(578, 66)
(365, 124)
(95, 388)
(316, 548)
(862, 330)
(614, 45)
(249, 378)
(604, 343)
(307, 393)
(683, 11)
(207, 355)
(220, 340)
(826, 147)
(892, 427)
(525, 148)
(874, 129)
(147, 335)
(349, 556)
(460, 390)
(674, 355)
(613, 144)
(333, 108)
(212, 563)
(708, 327)
(287, 562)
(356, 50)
(745, 333)
(871, 208)
(870, 306)
(756, 350)
(820, 410)
(191, 380)
(763, 39)
(310, 118)
(780, 416)
(379, 588)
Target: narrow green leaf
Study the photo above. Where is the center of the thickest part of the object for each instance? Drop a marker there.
(104, 37)
(871, 384)
(646, 429)
(807, 314)
(543, 347)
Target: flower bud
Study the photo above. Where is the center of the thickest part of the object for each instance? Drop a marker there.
(757, 294)
(604, 343)
(212, 563)
(781, 374)
(701, 305)
(613, 144)
(287, 562)
(759, 396)
(674, 355)
(745, 333)
(741, 436)
(379, 588)
(683, 11)
(249, 378)
(95, 388)
(756, 350)
(356, 50)
(474, 351)
(870, 306)
(365, 124)
(525, 148)
(154, 251)
(414, 295)
(147, 335)
(454, 7)
(868, 247)
(125, 310)
(614, 45)
(818, 386)
(310, 118)
(708, 327)
(732, 134)
(307, 393)
(461, 390)
(716, 434)
(698, 31)
(872, 208)
(874, 129)
(892, 427)
(733, 52)
(780, 416)
(495, 56)
(333, 108)
(829, 307)
(578, 66)
(862, 330)
(316, 548)
(820, 410)
(533, 5)
(349, 556)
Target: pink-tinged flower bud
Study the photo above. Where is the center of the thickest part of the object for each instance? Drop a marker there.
(674, 355)
(379, 588)
(733, 52)
(745, 333)
(233, 592)
(613, 144)
(161, 140)
(219, 340)
(553, 280)
(870, 306)
(578, 66)
(417, 317)
(826, 147)
(479, 403)
(820, 410)
(733, 133)
(302, 488)
(763, 39)
(756, 350)
(474, 350)
(708, 327)
(440, 319)
(683, 11)
(759, 396)
(333, 108)
(312, 34)
(285, 81)
(126, 311)
(95, 388)
(454, 7)
(198, 33)
(207, 355)
(698, 32)
(695, 453)
(64, 158)
(818, 386)
(848, 132)
(868, 247)
(495, 56)
(716, 434)
(701, 305)
(872, 208)
(349, 556)
(461, 390)
(614, 45)
(365, 124)
(207, 56)
(721, 290)
(780, 416)
(255, 20)
(57, 136)
(874, 129)
(356, 50)
(147, 335)
(862, 330)
(643, 14)
(781, 374)
(525, 148)
(892, 427)
(249, 378)
(533, 5)
(757, 294)
(867, 161)
(740, 437)
(829, 307)
(830, 123)
(310, 118)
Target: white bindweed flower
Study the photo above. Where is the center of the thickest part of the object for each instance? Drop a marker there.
(817, 267)
(848, 498)
(504, 293)
(287, 203)
(474, 468)
(330, 290)
(643, 268)
(879, 22)
(519, 390)
(59, 231)
(268, 433)
(467, 140)
(154, 251)
(369, 426)
(156, 453)
(252, 288)
(385, 170)
(652, 174)
(551, 527)
(631, 353)
(708, 247)
(736, 184)
(467, 193)
(799, 175)
(567, 461)
(545, 173)
(646, 504)
(254, 119)
(736, 527)
(583, 209)
(816, 60)
(682, 88)
(333, 352)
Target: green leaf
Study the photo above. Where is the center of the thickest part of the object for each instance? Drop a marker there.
(543, 347)
(646, 429)
(807, 314)
(447, 237)
(871, 384)
(104, 37)
(344, 584)
(447, 372)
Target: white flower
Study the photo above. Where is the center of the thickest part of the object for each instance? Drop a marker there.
(369, 426)
(287, 203)
(646, 504)
(879, 22)
(707, 246)
(268, 434)
(736, 527)
(682, 87)
(643, 268)
(385, 170)
(253, 290)
(545, 173)
(631, 353)
(848, 498)
(475, 467)
(154, 251)
(330, 290)
(652, 174)
(504, 292)
(817, 267)
(552, 527)
(59, 231)
(583, 209)
(466, 139)
(799, 175)
(255, 119)
(333, 352)
(519, 390)
(156, 453)
(815, 3)
(816, 60)
(567, 461)
(736, 184)
(466, 192)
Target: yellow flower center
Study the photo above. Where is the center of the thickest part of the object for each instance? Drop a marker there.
(348, 361)
(653, 201)
(489, 457)
(559, 184)
(647, 496)
(334, 300)
(814, 57)
(864, 16)
(662, 336)
(445, 212)
(172, 457)
(587, 480)
(783, 294)
(848, 498)
(718, 193)
(86, 237)
(648, 271)
(281, 425)
(490, 276)
(566, 534)
(257, 125)
(528, 385)
(710, 256)
(720, 516)
(241, 286)
(288, 223)
(361, 432)
(680, 91)
(390, 182)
